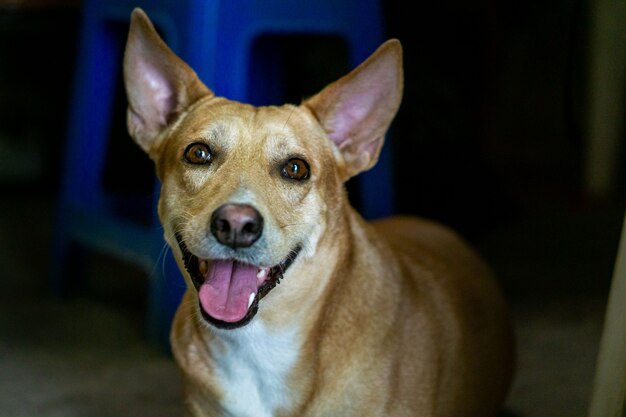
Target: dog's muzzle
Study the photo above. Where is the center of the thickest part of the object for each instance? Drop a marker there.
(229, 291)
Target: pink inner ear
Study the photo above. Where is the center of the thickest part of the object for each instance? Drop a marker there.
(356, 110)
(351, 113)
(159, 95)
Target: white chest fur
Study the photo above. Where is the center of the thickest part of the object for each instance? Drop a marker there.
(253, 369)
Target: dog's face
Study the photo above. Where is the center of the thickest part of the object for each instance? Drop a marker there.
(241, 197)
(248, 192)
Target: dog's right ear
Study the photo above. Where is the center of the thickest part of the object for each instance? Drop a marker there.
(356, 110)
(159, 85)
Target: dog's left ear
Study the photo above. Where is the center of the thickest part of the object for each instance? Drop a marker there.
(159, 85)
(356, 110)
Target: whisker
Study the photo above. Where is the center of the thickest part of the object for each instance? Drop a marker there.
(299, 224)
(160, 259)
(167, 247)
(289, 117)
(188, 303)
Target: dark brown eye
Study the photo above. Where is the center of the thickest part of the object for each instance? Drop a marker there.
(295, 169)
(198, 154)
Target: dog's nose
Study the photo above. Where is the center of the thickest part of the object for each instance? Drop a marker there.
(236, 225)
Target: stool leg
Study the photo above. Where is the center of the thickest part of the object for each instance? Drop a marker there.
(376, 186)
(167, 287)
(166, 284)
(85, 148)
(67, 264)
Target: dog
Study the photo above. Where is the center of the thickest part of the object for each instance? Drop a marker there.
(399, 317)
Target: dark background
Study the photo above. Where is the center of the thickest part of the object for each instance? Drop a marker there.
(491, 129)
(490, 139)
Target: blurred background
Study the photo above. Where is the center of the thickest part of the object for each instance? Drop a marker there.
(510, 131)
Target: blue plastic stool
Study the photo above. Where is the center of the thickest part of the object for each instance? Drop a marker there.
(215, 38)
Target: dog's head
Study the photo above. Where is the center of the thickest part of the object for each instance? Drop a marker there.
(249, 191)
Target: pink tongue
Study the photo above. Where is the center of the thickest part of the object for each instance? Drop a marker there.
(226, 292)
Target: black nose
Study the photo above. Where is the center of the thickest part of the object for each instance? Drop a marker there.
(236, 225)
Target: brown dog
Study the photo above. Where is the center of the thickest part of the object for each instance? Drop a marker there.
(395, 318)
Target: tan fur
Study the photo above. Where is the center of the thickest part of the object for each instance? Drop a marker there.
(395, 318)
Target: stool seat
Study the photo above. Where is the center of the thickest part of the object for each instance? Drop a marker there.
(216, 38)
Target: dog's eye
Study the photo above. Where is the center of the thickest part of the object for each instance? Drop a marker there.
(295, 169)
(198, 154)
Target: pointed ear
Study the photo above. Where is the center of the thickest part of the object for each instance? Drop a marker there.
(159, 85)
(356, 110)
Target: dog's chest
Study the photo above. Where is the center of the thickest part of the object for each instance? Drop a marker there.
(252, 371)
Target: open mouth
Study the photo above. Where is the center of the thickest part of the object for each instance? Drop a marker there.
(229, 291)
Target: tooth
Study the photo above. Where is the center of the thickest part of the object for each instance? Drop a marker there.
(251, 299)
(203, 266)
(261, 274)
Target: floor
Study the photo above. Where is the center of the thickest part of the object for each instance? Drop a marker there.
(87, 355)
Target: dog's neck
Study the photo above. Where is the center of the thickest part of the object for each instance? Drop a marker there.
(252, 365)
